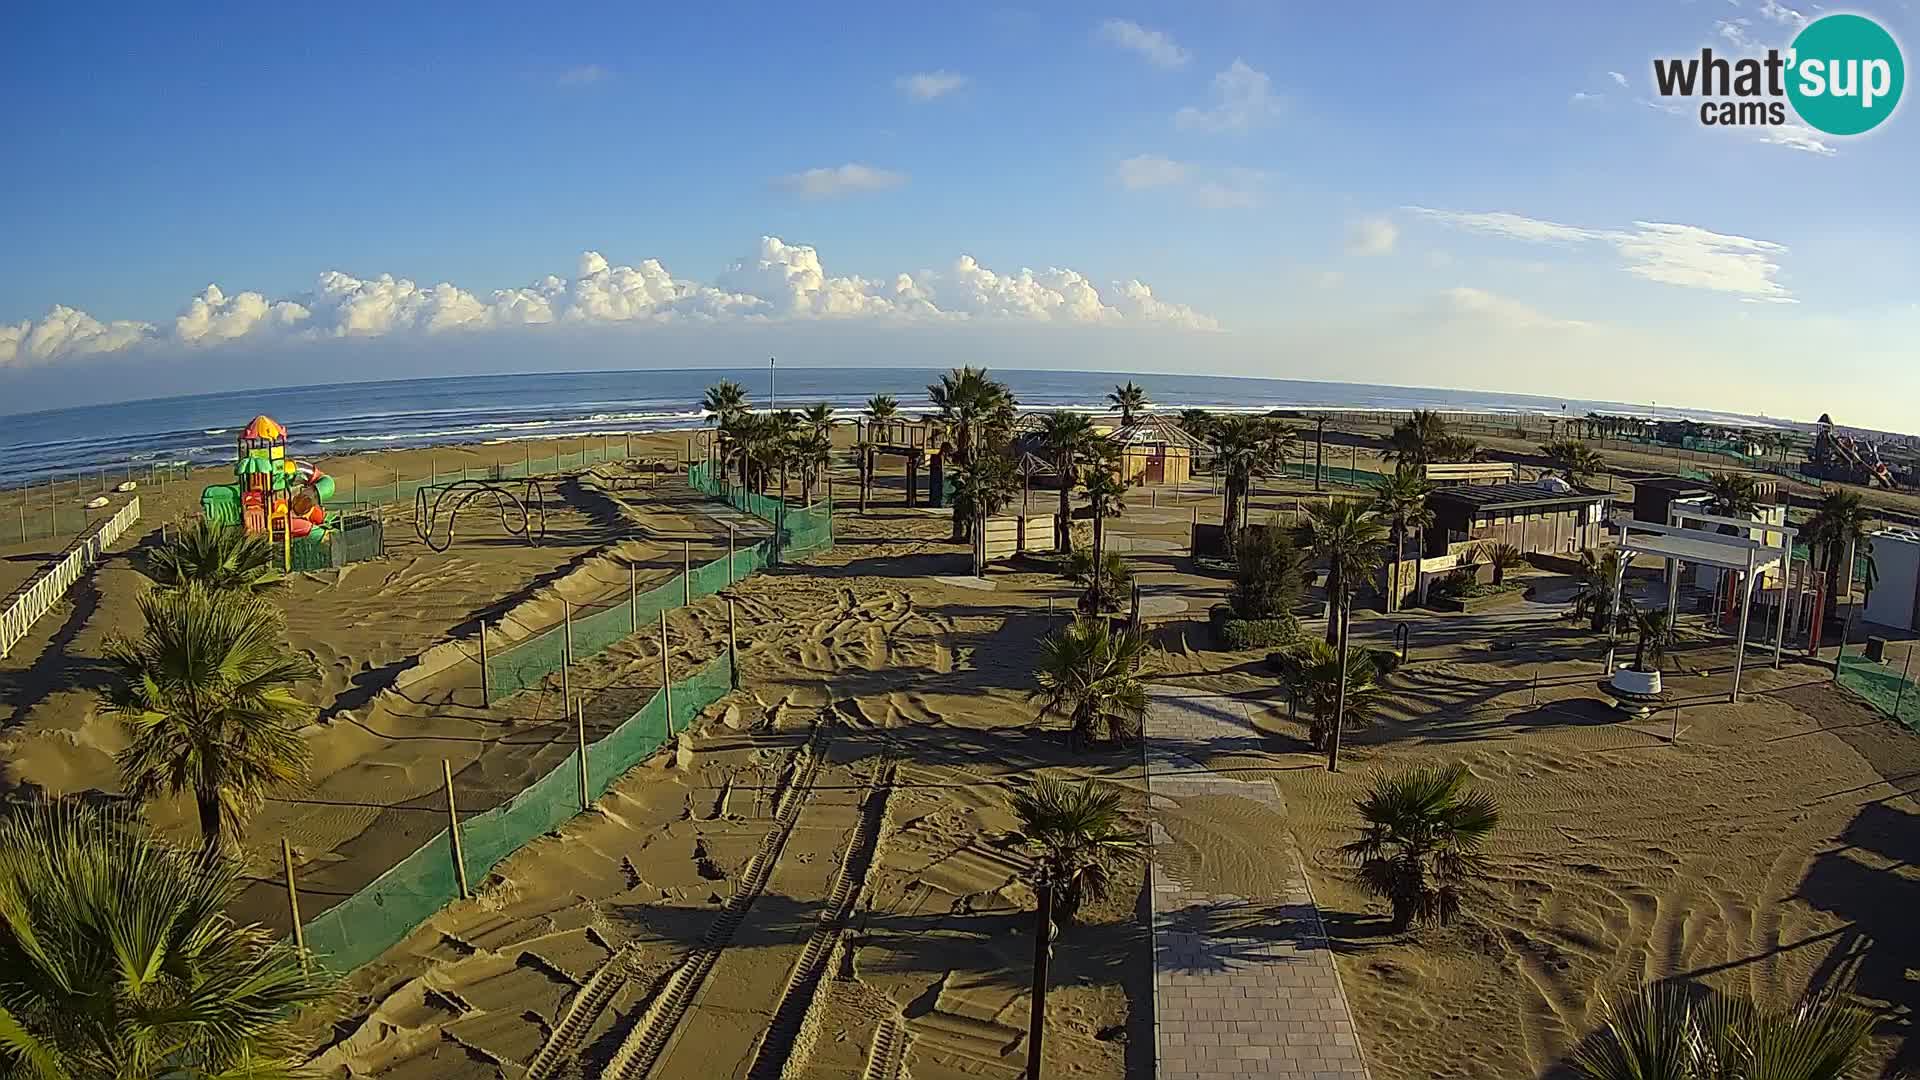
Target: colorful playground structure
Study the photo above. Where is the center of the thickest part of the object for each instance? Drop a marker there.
(272, 494)
(1836, 456)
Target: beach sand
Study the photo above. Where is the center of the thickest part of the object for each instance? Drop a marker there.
(883, 722)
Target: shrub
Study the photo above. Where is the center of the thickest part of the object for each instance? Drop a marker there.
(1234, 633)
(1268, 574)
(1118, 577)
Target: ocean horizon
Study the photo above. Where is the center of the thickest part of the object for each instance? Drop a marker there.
(330, 420)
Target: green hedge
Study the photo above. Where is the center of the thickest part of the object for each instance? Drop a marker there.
(1237, 634)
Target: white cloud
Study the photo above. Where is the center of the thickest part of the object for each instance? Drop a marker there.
(1372, 236)
(1619, 79)
(1581, 97)
(1683, 255)
(1150, 171)
(842, 180)
(778, 281)
(1785, 16)
(1159, 49)
(1467, 302)
(584, 75)
(1734, 32)
(927, 85)
(1797, 137)
(1243, 99)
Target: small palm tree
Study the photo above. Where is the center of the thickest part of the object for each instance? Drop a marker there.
(1131, 400)
(1504, 557)
(1734, 495)
(219, 557)
(1423, 439)
(1655, 632)
(1594, 599)
(1090, 674)
(1677, 1031)
(1575, 459)
(121, 963)
(206, 697)
(1401, 500)
(981, 490)
(1347, 537)
(882, 409)
(1197, 423)
(1106, 494)
(1310, 669)
(1114, 572)
(813, 446)
(1421, 842)
(725, 404)
(1838, 526)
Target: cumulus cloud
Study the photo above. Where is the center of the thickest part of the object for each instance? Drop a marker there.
(1243, 99)
(1672, 254)
(1149, 171)
(1159, 50)
(927, 85)
(1372, 236)
(843, 180)
(778, 281)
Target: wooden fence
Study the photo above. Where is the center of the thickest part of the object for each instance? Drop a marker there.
(44, 589)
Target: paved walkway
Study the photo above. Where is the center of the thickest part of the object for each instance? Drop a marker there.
(1243, 985)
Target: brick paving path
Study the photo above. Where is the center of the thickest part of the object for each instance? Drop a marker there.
(1252, 994)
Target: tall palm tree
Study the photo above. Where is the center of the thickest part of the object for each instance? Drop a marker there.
(1105, 492)
(813, 447)
(881, 410)
(206, 697)
(1418, 440)
(1079, 837)
(1678, 1031)
(1197, 423)
(1594, 600)
(1347, 536)
(1090, 674)
(219, 557)
(1733, 495)
(1245, 447)
(1131, 400)
(1421, 841)
(1574, 458)
(1064, 436)
(1401, 499)
(1838, 526)
(121, 963)
(725, 404)
(975, 408)
(1310, 669)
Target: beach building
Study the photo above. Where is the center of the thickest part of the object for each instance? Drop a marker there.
(1895, 599)
(1548, 516)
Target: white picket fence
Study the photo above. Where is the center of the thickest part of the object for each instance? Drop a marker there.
(39, 594)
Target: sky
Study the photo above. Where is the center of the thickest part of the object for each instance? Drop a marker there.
(1479, 196)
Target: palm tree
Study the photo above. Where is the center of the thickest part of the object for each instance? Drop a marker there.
(1310, 669)
(1197, 423)
(1079, 838)
(1064, 436)
(981, 490)
(206, 696)
(1347, 536)
(1575, 459)
(1105, 492)
(1655, 632)
(1418, 440)
(1504, 557)
(1594, 599)
(975, 408)
(1838, 526)
(1090, 674)
(121, 963)
(1734, 495)
(1113, 570)
(881, 410)
(219, 557)
(1131, 400)
(1401, 499)
(1421, 841)
(1677, 1031)
(813, 446)
(725, 404)
(1244, 447)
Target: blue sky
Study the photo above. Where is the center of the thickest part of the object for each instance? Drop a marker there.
(1318, 193)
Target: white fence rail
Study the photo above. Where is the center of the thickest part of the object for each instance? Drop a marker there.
(42, 591)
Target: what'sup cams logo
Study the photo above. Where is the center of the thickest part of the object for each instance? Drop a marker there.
(1842, 75)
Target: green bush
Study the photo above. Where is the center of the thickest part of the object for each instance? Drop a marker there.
(1234, 633)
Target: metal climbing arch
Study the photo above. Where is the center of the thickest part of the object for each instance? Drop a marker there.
(523, 515)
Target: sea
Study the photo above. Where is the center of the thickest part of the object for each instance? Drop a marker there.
(330, 420)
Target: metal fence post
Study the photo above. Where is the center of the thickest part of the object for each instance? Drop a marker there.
(730, 578)
(453, 831)
(580, 727)
(293, 903)
(666, 675)
(1900, 695)
(733, 648)
(486, 685)
(686, 573)
(566, 653)
(633, 601)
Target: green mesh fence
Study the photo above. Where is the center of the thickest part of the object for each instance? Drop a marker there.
(798, 531)
(379, 916)
(1883, 688)
(379, 487)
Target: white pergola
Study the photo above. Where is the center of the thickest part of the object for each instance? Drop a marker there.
(1676, 543)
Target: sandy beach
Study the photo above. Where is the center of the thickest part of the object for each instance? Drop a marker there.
(826, 858)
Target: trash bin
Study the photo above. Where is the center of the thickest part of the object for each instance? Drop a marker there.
(1877, 649)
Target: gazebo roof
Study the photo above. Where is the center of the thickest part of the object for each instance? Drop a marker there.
(1156, 428)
